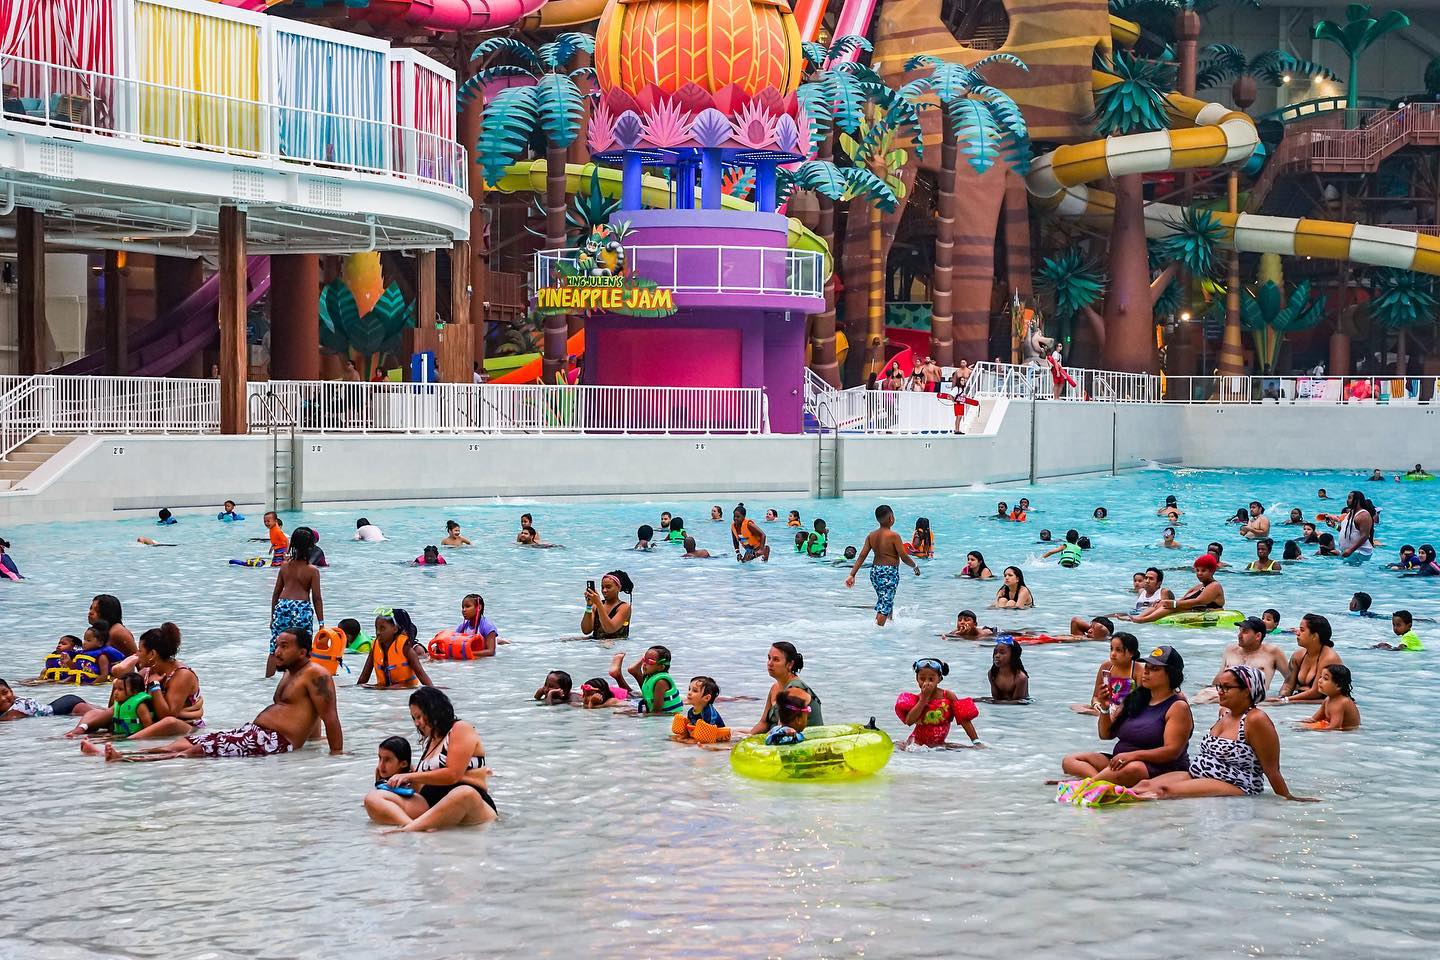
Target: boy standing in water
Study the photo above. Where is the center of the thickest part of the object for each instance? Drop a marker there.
(885, 570)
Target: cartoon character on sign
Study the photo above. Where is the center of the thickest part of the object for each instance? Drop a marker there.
(601, 253)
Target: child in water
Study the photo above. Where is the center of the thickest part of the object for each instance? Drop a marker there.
(355, 639)
(658, 694)
(793, 709)
(475, 623)
(801, 538)
(429, 557)
(96, 657)
(1403, 625)
(453, 536)
(1338, 710)
(794, 519)
(934, 709)
(395, 654)
(295, 603)
(644, 537)
(131, 710)
(922, 541)
(1271, 619)
(555, 689)
(393, 757)
(59, 663)
(1360, 606)
(600, 692)
(701, 723)
(967, 628)
(165, 518)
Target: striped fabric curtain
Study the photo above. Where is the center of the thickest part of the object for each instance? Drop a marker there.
(205, 73)
(332, 101)
(75, 35)
(435, 116)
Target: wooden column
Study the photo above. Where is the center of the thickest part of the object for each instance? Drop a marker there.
(234, 361)
(459, 282)
(425, 289)
(117, 343)
(468, 132)
(295, 316)
(30, 249)
(1232, 349)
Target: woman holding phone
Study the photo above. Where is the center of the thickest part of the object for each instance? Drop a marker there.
(607, 617)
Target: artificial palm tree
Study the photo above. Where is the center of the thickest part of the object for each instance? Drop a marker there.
(1402, 299)
(552, 108)
(1133, 103)
(1355, 36)
(887, 136)
(833, 95)
(1270, 315)
(987, 125)
(1074, 283)
(1224, 61)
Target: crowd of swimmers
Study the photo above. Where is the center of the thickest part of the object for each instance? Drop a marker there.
(1137, 696)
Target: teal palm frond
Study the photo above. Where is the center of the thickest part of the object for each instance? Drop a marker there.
(1197, 236)
(1266, 307)
(1136, 104)
(1402, 298)
(1073, 280)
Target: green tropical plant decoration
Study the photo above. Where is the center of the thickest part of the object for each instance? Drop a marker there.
(552, 108)
(1270, 315)
(1075, 283)
(887, 137)
(1402, 299)
(1193, 244)
(367, 338)
(1136, 103)
(1222, 62)
(983, 123)
(1355, 36)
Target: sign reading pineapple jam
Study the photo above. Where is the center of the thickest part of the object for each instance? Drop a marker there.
(596, 280)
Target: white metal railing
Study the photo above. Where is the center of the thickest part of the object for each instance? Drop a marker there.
(885, 411)
(66, 404)
(1038, 382)
(24, 413)
(160, 115)
(708, 268)
(1301, 390)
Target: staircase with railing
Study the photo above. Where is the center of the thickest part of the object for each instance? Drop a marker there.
(1371, 137)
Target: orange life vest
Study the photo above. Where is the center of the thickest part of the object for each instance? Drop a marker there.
(449, 645)
(392, 669)
(747, 532)
(327, 648)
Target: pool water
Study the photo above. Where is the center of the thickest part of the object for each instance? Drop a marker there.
(615, 842)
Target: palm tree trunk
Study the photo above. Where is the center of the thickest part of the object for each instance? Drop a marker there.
(942, 341)
(1232, 349)
(557, 327)
(1129, 339)
(875, 304)
(822, 325)
(1400, 358)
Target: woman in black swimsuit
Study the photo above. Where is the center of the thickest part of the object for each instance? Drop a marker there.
(448, 785)
(607, 617)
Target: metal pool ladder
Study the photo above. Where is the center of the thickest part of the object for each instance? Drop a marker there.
(277, 420)
(827, 456)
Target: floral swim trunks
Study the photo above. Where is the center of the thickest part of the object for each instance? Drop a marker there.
(288, 615)
(246, 740)
(885, 579)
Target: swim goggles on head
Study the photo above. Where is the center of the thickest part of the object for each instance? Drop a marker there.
(939, 666)
(1005, 638)
(387, 613)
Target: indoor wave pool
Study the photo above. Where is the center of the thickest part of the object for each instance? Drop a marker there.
(614, 841)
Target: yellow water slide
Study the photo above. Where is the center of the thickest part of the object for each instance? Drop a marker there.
(1207, 135)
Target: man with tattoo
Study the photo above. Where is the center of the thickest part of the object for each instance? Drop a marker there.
(304, 699)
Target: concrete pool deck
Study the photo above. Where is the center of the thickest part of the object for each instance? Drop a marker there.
(102, 477)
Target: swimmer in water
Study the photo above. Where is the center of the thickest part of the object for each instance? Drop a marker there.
(1291, 553)
(1376, 476)
(1308, 533)
(847, 556)
(1046, 536)
(716, 514)
(889, 552)
(1101, 628)
(1360, 606)
(453, 537)
(530, 537)
(975, 568)
(1403, 625)
(1263, 562)
(1217, 550)
(1251, 649)
(1207, 594)
(1256, 525)
(664, 521)
(1170, 507)
(1002, 511)
(1013, 593)
(644, 537)
(934, 709)
(1168, 541)
(1408, 559)
(692, 552)
(1322, 495)
(1338, 711)
(1296, 518)
(1101, 513)
(1009, 682)
(555, 689)
(967, 627)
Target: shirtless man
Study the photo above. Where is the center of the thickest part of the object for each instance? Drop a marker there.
(304, 698)
(692, 552)
(967, 627)
(1250, 648)
(1205, 595)
(885, 570)
(1258, 525)
(1101, 628)
(1151, 592)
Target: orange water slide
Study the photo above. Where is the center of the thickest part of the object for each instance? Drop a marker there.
(530, 372)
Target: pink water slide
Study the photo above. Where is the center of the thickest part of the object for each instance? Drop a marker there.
(429, 14)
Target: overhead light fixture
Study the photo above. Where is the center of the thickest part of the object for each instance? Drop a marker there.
(1185, 315)
(1285, 79)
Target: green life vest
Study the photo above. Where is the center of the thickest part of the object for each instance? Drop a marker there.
(817, 544)
(1070, 555)
(127, 715)
(675, 536)
(647, 693)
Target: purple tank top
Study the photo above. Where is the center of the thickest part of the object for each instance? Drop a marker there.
(1146, 731)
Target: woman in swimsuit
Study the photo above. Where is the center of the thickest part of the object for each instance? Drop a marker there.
(1317, 650)
(448, 786)
(1013, 594)
(1152, 727)
(173, 687)
(975, 568)
(1237, 756)
(1009, 682)
(784, 664)
(1116, 676)
(607, 617)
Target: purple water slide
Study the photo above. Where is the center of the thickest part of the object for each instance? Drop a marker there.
(157, 348)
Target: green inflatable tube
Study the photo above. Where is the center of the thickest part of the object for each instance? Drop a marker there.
(1418, 478)
(835, 752)
(1201, 618)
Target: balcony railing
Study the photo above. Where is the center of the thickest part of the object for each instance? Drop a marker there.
(707, 269)
(154, 115)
